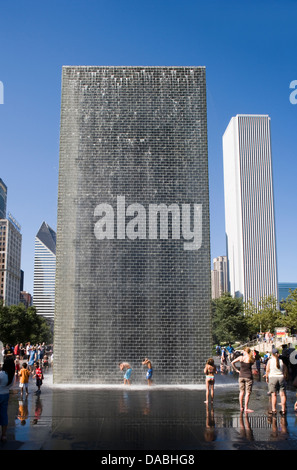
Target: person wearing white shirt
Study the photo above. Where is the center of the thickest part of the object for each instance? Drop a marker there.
(276, 376)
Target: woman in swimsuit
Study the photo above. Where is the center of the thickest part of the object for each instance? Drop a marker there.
(210, 370)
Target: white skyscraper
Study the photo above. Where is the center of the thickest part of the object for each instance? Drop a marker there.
(249, 208)
(45, 271)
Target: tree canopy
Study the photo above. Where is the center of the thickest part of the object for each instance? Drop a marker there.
(235, 320)
(266, 318)
(290, 308)
(19, 324)
(228, 320)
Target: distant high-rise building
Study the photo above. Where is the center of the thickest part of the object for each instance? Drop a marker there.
(3, 199)
(10, 262)
(26, 298)
(249, 208)
(45, 271)
(219, 277)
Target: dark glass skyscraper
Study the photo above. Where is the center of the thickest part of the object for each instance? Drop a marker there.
(3, 199)
(133, 251)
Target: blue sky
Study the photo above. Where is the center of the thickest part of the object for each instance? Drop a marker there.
(248, 48)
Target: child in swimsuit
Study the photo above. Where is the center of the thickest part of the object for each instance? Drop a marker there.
(210, 370)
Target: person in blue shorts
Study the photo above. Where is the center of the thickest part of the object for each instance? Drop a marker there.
(125, 366)
(149, 374)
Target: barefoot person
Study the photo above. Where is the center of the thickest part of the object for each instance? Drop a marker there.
(245, 378)
(149, 374)
(125, 366)
(210, 370)
(276, 376)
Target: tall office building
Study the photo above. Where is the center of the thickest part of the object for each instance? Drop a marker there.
(3, 199)
(10, 261)
(249, 208)
(219, 277)
(133, 249)
(45, 271)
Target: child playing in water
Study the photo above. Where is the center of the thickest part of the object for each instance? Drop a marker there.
(124, 366)
(24, 378)
(39, 376)
(149, 373)
(17, 365)
(210, 370)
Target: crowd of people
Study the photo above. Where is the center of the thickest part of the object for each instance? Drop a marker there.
(279, 371)
(25, 361)
(21, 362)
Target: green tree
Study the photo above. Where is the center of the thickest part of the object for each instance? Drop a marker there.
(290, 307)
(228, 320)
(19, 324)
(266, 317)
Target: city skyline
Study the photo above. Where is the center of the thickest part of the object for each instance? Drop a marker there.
(248, 52)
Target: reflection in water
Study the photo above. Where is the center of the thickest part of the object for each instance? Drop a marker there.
(278, 430)
(148, 418)
(38, 410)
(147, 404)
(124, 402)
(160, 419)
(23, 411)
(245, 427)
(210, 431)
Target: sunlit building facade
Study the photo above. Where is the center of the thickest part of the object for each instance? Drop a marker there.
(10, 262)
(219, 277)
(249, 208)
(45, 271)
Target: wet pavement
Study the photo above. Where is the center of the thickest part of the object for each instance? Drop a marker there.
(113, 418)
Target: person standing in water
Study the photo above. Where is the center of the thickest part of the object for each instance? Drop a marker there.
(149, 373)
(127, 377)
(210, 370)
(245, 378)
(276, 376)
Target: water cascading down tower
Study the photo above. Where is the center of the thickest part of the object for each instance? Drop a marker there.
(133, 248)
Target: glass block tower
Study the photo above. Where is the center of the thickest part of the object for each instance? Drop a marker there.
(45, 271)
(133, 254)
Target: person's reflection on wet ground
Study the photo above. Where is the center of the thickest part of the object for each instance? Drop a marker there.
(246, 431)
(147, 404)
(210, 433)
(23, 411)
(278, 430)
(124, 402)
(38, 410)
